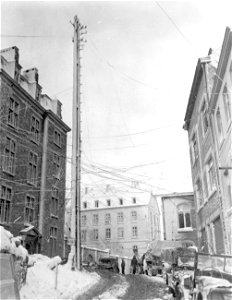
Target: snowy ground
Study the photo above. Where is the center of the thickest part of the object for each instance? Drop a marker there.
(40, 283)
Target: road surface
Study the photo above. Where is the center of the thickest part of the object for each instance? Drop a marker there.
(128, 287)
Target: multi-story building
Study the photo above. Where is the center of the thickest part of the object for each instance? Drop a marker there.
(179, 218)
(32, 159)
(200, 120)
(124, 222)
(220, 105)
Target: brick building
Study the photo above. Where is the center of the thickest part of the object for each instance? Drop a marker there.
(120, 221)
(205, 143)
(32, 159)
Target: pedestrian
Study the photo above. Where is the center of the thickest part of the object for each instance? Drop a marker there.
(145, 266)
(123, 266)
(179, 291)
(134, 264)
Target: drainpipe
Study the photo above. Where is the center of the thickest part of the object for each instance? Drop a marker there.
(43, 181)
(205, 61)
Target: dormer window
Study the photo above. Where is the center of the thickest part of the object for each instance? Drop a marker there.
(134, 200)
(85, 204)
(108, 202)
(121, 201)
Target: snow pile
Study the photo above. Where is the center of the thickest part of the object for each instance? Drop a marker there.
(40, 283)
(11, 244)
(53, 262)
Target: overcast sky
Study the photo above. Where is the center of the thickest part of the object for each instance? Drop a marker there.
(137, 69)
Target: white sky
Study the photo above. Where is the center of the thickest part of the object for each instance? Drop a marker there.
(137, 71)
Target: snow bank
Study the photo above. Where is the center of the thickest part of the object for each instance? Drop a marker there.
(54, 261)
(40, 282)
(11, 244)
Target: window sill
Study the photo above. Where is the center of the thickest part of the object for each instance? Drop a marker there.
(185, 229)
(54, 216)
(57, 145)
(9, 173)
(35, 141)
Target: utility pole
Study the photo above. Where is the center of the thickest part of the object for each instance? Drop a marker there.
(76, 151)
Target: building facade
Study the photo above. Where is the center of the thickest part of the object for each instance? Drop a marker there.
(220, 105)
(200, 121)
(179, 218)
(33, 159)
(124, 223)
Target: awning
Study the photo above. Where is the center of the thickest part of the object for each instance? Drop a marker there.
(31, 231)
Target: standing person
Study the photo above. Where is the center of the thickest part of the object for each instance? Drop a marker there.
(179, 291)
(123, 266)
(134, 264)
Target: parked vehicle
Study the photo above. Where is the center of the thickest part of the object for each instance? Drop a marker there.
(110, 263)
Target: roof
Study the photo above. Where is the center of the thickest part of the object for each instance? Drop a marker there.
(221, 68)
(30, 230)
(193, 94)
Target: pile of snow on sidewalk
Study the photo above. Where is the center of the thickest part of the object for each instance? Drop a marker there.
(40, 283)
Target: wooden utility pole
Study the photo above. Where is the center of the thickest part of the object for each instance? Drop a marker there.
(76, 152)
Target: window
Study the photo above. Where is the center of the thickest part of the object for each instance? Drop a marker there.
(120, 217)
(107, 219)
(9, 156)
(95, 234)
(13, 113)
(56, 163)
(134, 232)
(53, 240)
(108, 233)
(96, 203)
(35, 125)
(120, 233)
(57, 138)
(55, 202)
(83, 235)
(134, 200)
(83, 220)
(194, 148)
(199, 193)
(32, 171)
(120, 201)
(108, 202)
(6, 197)
(184, 219)
(95, 219)
(219, 124)
(53, 232)
(84, 204)
(133, 215)
(29, 209)
(227, 103)
(205, 121)
(210, 176)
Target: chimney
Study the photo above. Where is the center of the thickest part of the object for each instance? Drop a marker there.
(10, 62)
(32, 77)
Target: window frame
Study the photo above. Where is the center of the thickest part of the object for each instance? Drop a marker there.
(134, 215)
(134, 232)
(120, 217)
(54, 206)
(95, 234)
(95, 219)
(83, 220)
(5, 218)
(30, 209)
(13, 113)
(108, 233)
(107, 219)
(31, 170)
(120, 233)
(35, 130)
(204, 118)
(57, 138)
(9, 156)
